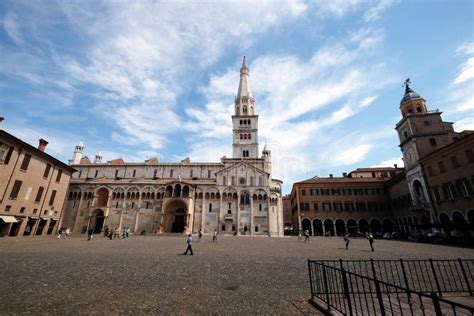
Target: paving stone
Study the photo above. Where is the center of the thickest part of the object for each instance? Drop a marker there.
(149, 274)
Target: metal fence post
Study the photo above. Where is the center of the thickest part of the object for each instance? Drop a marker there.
(436, 305)
(346, 288)
(326, 288)
(377, 289)
(404, 274)
(465, 276)
(310, 279)
(436, 277)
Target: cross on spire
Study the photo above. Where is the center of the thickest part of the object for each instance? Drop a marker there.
(407, 85)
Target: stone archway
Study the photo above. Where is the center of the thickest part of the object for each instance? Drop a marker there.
(176, 217)
(97, 221)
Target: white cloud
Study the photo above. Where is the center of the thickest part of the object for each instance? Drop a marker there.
(390, 163)
(143, 54)
(336, 7)
(465, 124)
(352, 155)
(375, 11)
(291, 95)
(10, 24)
(466, 71)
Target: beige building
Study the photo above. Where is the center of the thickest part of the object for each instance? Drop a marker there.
(450, 178)
(355, 203)
(33, 186)
(433, 191)
(234, 196)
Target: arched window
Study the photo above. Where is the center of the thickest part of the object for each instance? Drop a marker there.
(244, 109)
(245, 199)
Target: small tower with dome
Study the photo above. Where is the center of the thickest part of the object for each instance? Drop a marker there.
(77, 155)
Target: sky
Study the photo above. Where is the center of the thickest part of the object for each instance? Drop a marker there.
(143, 79)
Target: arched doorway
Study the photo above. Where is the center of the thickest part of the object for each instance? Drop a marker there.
(306, 225)
(375, 226)
(179, 221)
(352, 227)
(176, 217)
(97, 221)
(459, 221)
(329, 227)
(446, 224)
(363, 226)
(340, 227)
(387, 226)
(470, 217)
(318, 227)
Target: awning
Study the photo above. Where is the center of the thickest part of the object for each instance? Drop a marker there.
(44, 218)
(8, 219)
(33, 217)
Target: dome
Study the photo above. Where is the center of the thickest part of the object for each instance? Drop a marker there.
(409, 95)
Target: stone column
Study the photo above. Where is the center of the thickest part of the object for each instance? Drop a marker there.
(135, 228)
(78, 216)
(251, 214)
(238, 213)
(203, 209)
(220, 212)
(269, 206)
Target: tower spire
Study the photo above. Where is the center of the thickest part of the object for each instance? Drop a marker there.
(244, 84)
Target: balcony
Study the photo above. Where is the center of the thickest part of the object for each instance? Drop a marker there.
(228, 217)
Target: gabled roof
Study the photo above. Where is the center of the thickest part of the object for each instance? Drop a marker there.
(242, 163)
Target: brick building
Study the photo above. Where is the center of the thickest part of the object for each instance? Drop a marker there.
(433, 191)
(33, 186)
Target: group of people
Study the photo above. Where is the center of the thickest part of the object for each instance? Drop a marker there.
(345, 237)
(115, 232)
(64, 232)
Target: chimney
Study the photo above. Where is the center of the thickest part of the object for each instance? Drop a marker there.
(395, 165)
(42, 144)
(330, 175)
(344, 174)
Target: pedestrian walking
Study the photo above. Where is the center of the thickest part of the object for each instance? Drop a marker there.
(214, 236)
(300, 238)
(110, 234)
(346, 239)
(106, 231)
(124, 232)
(371, 241)
(66, 234)
(306, 235)
(89, 234)
(128, 231)
(200, 235)
(189, 241)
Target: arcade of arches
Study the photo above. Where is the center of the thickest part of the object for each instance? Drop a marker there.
(172, 208)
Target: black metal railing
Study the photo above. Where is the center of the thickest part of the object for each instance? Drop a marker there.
(444, 276)
(337, 288)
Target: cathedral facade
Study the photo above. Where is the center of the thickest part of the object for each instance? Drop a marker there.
(236, 196)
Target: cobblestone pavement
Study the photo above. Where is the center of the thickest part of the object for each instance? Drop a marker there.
(148, 274)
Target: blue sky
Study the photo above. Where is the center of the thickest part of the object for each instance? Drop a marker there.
(147, 78)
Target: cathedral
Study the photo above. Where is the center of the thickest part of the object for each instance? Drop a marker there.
(236, 196)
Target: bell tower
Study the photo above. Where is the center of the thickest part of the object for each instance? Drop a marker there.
(244, 120)
(421, 132)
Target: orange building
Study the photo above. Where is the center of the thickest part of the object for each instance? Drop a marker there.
(33, 186)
